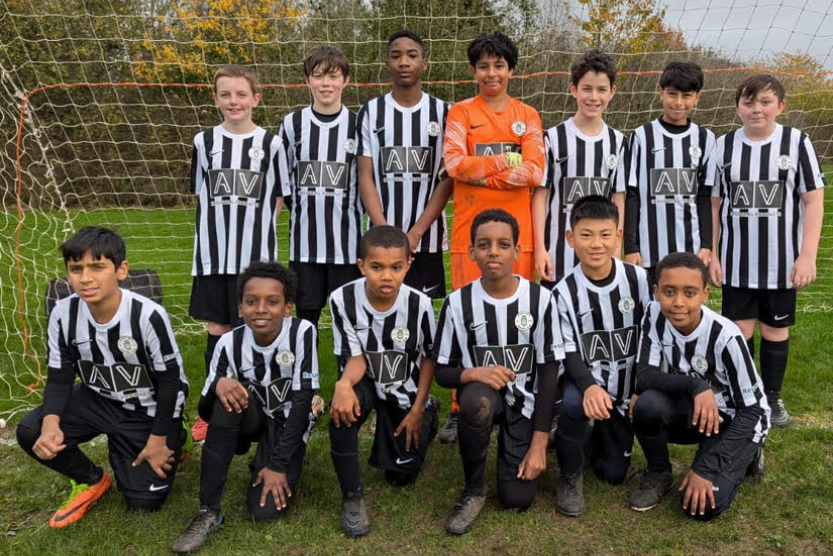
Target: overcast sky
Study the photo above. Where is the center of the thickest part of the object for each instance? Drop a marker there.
(753, 29)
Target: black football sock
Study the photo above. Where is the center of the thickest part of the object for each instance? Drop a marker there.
(774, 357)
(570, 437)
(344, 450)
(209, 351)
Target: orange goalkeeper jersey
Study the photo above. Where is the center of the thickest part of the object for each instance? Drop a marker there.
(475, 142)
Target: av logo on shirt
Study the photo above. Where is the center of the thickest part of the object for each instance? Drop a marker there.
(317, 173)
(273, 396)
(116, 379)
(242, 183)
(387, 367)
(667, 182)
(610, 345)
(574, 188)
(491, 149)
(757, 194)
(407, 160)
(517, 357)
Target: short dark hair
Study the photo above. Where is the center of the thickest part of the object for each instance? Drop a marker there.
(495, 215)
(493, 44)
(329, 58)
(593, 60)
(98, 242)
(276, 271)
(686, 77)
(386, 237)
(751, 86)
(407, 34)
(594, 207)
(683, 260)
(235, 70)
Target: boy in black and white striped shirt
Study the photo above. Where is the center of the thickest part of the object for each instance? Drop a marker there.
(600, 307)
(499, 343)
(400, 149)
(133, 386)
(385, 330)
(667, 206)
(768, 205)
(318, 169)
(697, 384)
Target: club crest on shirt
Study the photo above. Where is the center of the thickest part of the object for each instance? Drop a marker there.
(612, 161)
(695, 151)
(433, 128)
(626, 305)
(784, 162)
(127, 345)
(699, 363)
(256, 153)
(285, 357)
(524, 320)
(519, 127)
(400, 334)
(349, 145)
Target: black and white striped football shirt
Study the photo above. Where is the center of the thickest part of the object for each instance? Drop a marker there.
(715, 352)
(270, 373)
(761, 213)
(393, 342)
(519, 332)
(602, 324)
(318, 170)
(668, 169)
(118, 360)
(577, 165)
(406, 146)
(235, 179)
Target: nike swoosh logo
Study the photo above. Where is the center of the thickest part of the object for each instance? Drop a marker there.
(361, 328)
(215, 152)
(628, 454)
(476, 126)
(580, 315)
(156, 488)
(80, 342)
(379, 130)
(657, 149)
(400, 461)
(780, 317)
(560, 160)
(68, 514)
(474, 326)
(432, 288)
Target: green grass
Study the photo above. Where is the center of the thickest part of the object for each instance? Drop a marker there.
(787, 513)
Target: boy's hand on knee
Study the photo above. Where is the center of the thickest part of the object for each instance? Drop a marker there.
(274, 482)
(597, 404)
(232, 394)
(412, 425)
(698, 493)
(706, 416)
(804, 272)
(157, 454)
(494, 377)
(535, 460)
(51, 439)
(345, 409)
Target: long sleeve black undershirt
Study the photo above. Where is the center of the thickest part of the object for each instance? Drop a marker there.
(632, 202)
(652, 378)
(293, 431)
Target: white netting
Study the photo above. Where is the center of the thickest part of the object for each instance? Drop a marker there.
(100, 101)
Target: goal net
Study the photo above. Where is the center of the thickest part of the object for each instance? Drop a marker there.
(100, 102)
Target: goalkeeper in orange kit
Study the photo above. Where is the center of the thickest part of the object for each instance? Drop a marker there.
(494, 151)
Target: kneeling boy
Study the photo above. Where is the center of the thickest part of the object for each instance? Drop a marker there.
(498, 342)
(260, 389)
(600, 308)
(385, 330)
(132, 386)
(709, 394)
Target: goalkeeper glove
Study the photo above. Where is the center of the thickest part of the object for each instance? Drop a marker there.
(514, 159)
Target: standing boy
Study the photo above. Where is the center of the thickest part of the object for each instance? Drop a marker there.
(600, 308)
(667, 207)
(318, 170)
(494, 151)
(263, 378)
(584, 157)
(385, 330)
(768, 205)
(697, 384)
(400, 148)
(498, 342)
(234, 176)
(132, 389)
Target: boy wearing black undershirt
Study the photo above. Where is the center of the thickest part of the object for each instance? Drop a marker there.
(667, 202)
